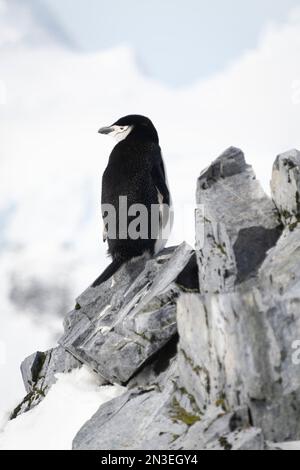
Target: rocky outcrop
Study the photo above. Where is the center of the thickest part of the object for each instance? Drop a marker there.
(285, 187)
(39, 374)
(118, 330)
(236, 223)
(204, 340)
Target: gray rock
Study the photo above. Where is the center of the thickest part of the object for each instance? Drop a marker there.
(161, 417)
(285, 186)
(217, 429)
(128, 421)
(117, 330)
(242, 353)
(242, 356)
(283, 446)
(244, 439)
(279, 281)
(213, 369)
(31, 368)
(279, 416)
(240, 223)
(159, 364)
(39, 374)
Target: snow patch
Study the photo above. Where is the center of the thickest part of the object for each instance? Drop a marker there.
(53, 424)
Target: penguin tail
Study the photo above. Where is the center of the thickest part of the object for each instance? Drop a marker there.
(108, 272)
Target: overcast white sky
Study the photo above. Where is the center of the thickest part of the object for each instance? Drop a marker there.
(178, 41)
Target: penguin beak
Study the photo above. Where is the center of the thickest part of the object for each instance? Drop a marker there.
(106, 130)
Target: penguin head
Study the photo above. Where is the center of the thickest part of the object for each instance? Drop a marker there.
(133, 126)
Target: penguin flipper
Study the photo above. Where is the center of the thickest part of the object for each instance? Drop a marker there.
(159, 178)
(163, 194)
(108, 272)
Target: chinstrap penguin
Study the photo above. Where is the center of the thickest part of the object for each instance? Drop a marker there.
(136, 171)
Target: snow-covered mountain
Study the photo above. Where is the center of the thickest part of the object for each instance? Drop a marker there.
(29, 22)
(51, 157)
